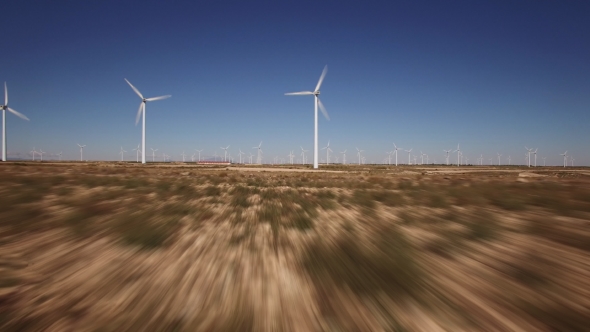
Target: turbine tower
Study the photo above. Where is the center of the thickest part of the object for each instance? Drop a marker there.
(359, 154)
(327, 148)
(139, 113)
(225, 152)
(137, 153)
(303, 155)
(81, 150)
(199, 151)
(535, 153)
(183, 155)
(4, 109)
(564, 158)
(458, 155)
(395, 149)
(259, 156)
(409, 157)
(499, 155)
(122, 152)
(317, 103)
(343, 157)
(529, 154)
(447, 151)
(153, 155)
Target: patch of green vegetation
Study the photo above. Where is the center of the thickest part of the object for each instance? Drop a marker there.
(388, 197)
(145, 229)
(363, 198)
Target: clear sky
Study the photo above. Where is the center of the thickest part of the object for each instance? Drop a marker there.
(492, 75)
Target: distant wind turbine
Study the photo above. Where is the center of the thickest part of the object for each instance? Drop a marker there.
(343, 157)
(359, 154)
(225, 152)
(122, 152)
(153, 155)
(447, 151)
(140, 112)
(183, 155)
(409, 157)
(564, 158)
(4, 109)
(81, 150)
(395, 150)
(458, 154)
(41, 154)
(529, 154)
(499, 155)
(259, 156)
(137, 153)
(317, 104)
(327, 148)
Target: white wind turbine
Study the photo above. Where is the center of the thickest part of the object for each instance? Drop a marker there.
(327, 148)
(142, 111)
(225, 152)
(251, 155)
(33, 152)
(359, 154)
(291, 155)
(395, 150)
(564, 158)
(199, 151)
(447, 151)
(41, 154)
(544, 159)
(183, 155)
(458, 154)
(259, 156)
(535, 153)
(4, 109)
(317, 104)
(529, 154)
(81, 150)
(303, 155)
(137, 150)
(343, 157)
(499, 155)
(422, 158)
(241, 153)
(389, 153)
(153, 155)
(509, 163)
(409, 157)
(122, 152)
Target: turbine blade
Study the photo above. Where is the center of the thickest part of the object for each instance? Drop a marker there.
(322, 78)
(5, 94)
(18, 114)
(323, 109)
(134, 89)
(141, 106)
(158, 98)
(301, 93)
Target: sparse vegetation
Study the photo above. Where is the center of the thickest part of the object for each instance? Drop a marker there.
(218, 243)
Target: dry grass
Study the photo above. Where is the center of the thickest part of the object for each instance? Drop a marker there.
(113, 248)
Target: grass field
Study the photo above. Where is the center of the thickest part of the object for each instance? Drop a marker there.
(120, 247)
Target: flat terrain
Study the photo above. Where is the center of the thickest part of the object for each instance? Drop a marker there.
(125, 247)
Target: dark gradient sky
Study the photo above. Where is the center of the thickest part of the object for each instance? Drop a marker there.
(492, 75)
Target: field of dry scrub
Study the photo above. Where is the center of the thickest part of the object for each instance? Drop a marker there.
(116, 247)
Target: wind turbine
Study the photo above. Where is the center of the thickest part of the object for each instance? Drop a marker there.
(544, 159)
(241, 153)
(535, 153)
(395, 150)
(317, 103)
(81, 150)
(291, 155)
(447, 151)
(142, 111)
(564, 158)
(137, 153)
(303, 155)
(422, 158)
(4, 109)
(183, 155)
(409, 157)
(251, 155)
(199, 151)
(343, 157)
(458, 154)
(499, 155)
(41, 153)
(259, 157)
(225, 154)
(327, 148)
(122, 152)
(33, 152)
(529, 154)
(153, 155)
(59, 154)
(359, 154)
(509, 163)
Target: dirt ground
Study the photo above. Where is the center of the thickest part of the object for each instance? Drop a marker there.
(179, 247)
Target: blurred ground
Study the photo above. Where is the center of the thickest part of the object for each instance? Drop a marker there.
(124, 247)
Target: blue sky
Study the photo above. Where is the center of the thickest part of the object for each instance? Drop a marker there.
(492, 75)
